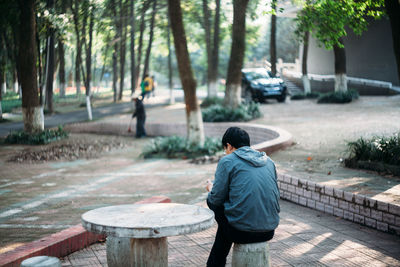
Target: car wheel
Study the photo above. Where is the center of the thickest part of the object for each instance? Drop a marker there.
(281, 98)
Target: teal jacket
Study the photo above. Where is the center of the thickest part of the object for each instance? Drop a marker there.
(246, 185)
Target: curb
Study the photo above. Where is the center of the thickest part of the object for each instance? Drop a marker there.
(62, 243)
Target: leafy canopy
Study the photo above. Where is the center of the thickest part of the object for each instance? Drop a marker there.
(327, 19)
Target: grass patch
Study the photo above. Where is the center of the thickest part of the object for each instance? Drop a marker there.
(338, 97)
(301, 96)
(209, 101)
(381, 154)
(220, 113)
(39, 138)
(179, 147)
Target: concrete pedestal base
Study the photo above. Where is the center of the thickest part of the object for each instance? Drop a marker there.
(41, 261)
(135, 252)
(255, 254)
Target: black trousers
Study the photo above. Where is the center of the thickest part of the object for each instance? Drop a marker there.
(227, 235)
(140, 131)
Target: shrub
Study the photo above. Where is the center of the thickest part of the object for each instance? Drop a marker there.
(301, 96)
(8, 105)
(219, 113)
(338, 97)
(209, 101)
(179, 147)
(377, 149)
(39, 138)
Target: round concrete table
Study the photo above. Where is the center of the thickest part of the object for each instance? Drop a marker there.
(137, 234)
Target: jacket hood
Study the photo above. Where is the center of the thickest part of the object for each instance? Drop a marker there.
(252, 156)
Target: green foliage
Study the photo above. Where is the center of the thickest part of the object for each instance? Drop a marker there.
(10, 95)
(220, 113)
(301, 96)
(209, 101)
(39, 138)
(180, 147)
(377, 149)
(338, 97)
(9, 105)
(327, 19)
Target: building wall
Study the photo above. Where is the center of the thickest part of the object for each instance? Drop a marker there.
(370, 56)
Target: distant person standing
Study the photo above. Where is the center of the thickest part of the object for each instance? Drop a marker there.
(148, 84)
(140, 115)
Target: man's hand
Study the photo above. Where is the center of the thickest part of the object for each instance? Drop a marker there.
(209, 185)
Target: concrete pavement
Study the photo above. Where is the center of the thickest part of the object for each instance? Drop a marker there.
(304, 237)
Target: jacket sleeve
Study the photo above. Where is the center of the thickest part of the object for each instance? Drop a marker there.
(219, 192)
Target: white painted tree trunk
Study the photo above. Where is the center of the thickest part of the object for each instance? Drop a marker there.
(62, 89)
(306, 84)
(213, 89)
(195, 130)
(89, 108)
(233, 95)
(341, 82)
(33, 119)
(15, 88)
(171, 96)
(3, 88)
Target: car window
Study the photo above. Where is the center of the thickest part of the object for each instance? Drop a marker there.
(258, 74)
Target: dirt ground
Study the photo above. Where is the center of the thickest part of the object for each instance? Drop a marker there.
(321, 132)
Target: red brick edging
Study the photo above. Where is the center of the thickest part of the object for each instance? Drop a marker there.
(62, 243)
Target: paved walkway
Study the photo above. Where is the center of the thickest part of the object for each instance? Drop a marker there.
(304, 237)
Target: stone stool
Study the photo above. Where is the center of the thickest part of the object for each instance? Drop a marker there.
(255, 254)
(41, 261)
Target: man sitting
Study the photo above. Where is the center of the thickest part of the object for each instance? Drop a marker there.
(244, 196)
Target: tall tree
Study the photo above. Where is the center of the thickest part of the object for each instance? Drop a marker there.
(305, 79)
(122, 52)
(170, 85)
(151, 35)
(327, 19)
(31, 111)
(207, 29)
(194, 121)
(392, 8)
(132, 13)
(61, 55)
(234, 76)
(89, 14)
(273, 37)
(116, 41)
(145, 6)
(50, 62)
(213, 78)
(78, 59)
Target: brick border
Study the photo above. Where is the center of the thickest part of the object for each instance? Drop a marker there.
(263, 138)
(62, 243)
(356, 208)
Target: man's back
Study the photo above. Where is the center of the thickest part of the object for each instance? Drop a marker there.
(246, 185)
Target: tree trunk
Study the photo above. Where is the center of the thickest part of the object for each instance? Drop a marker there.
(340, 68)
(215, 52)
(170, 85)
(50, 64)
(195, 130)
(115, 74)
(123, 30)
(234, 76)
(393, 10)
(3, 59)
(142, 26)
(31, 111)
(306, 80)
(88, 65)
(273, 38)
(15, 80)
(61, 73)
(78, 58)
(207, 30)
(148, 52)
(133, 84)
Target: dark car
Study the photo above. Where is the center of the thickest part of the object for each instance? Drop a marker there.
(258, 84)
